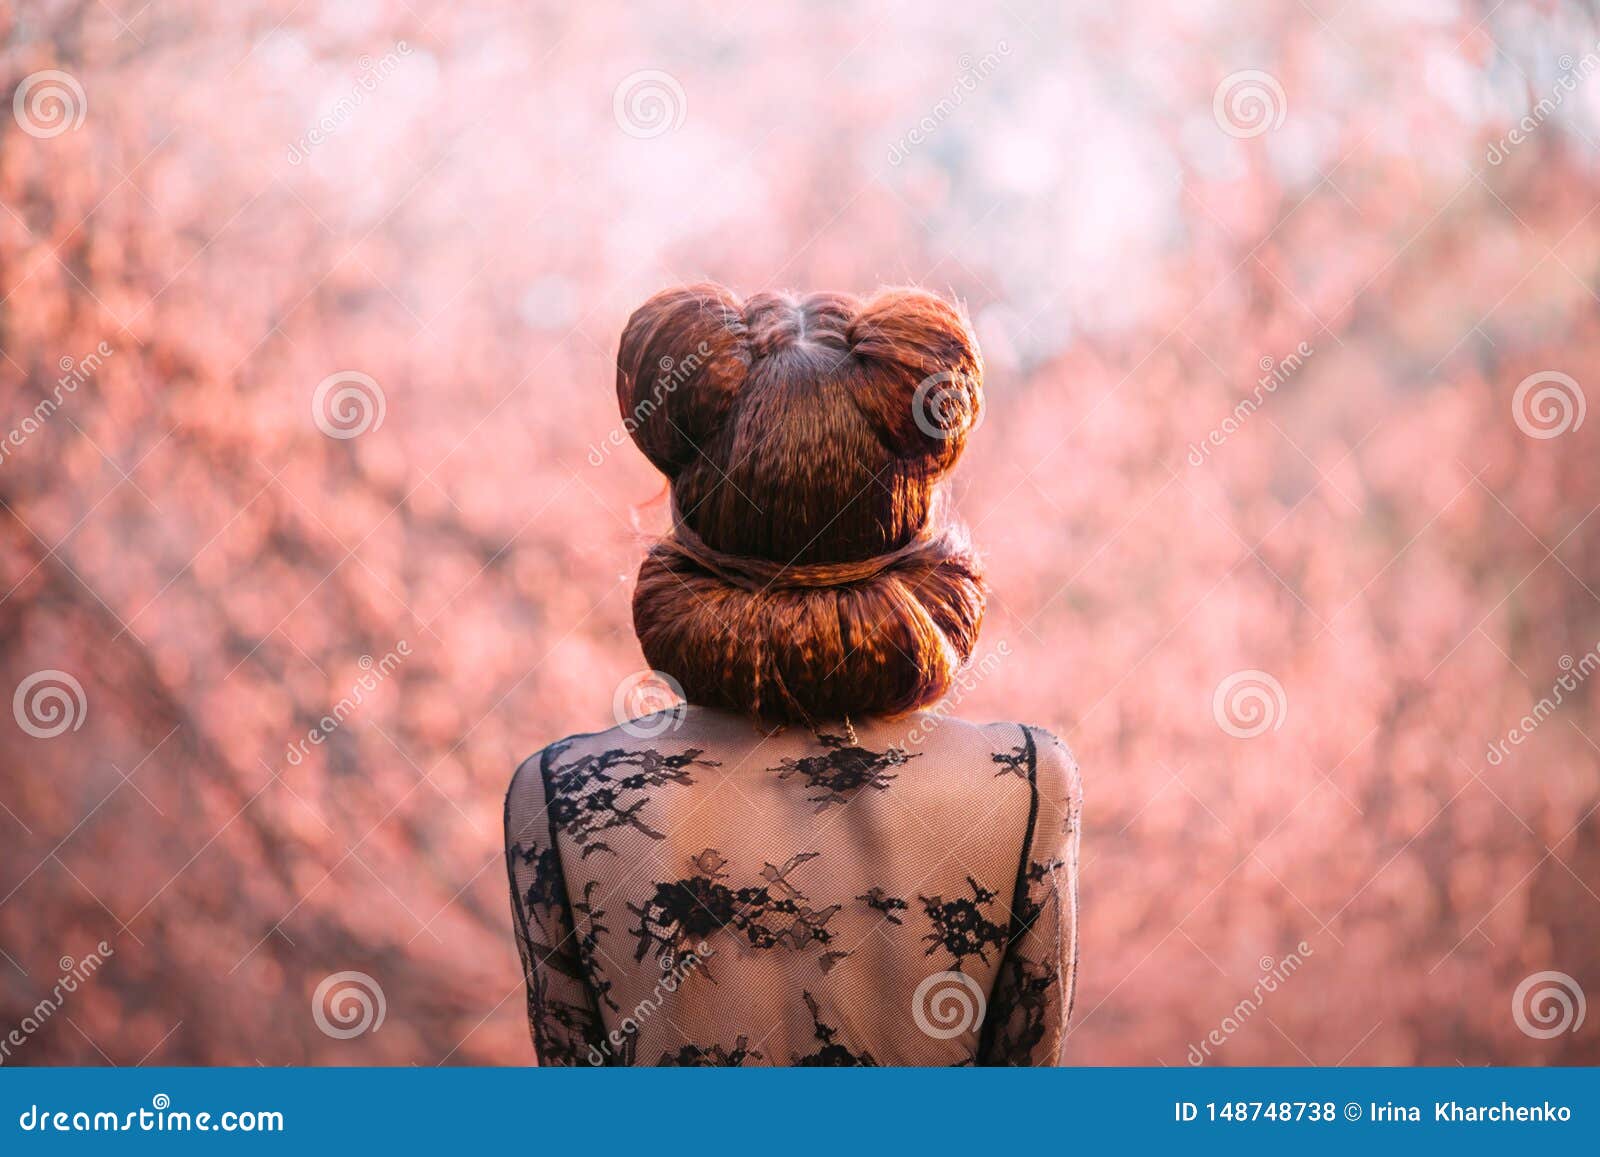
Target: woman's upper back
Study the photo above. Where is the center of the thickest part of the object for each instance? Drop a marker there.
(689, 889)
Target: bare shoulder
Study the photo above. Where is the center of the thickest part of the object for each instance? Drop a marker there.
(1052, 771)
(1038, 755)
(1031, 753)
(528, 792)
(525, 806)
(1057, 766)
(529, 774)
(559, 768)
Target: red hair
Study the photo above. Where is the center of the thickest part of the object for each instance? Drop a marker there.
(804, 439)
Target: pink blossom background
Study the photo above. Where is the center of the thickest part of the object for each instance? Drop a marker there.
(491, 188)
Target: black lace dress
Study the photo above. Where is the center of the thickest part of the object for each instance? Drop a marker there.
(689, 890)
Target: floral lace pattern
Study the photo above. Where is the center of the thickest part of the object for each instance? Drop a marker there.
(962, 927)
(770, 915)
(831, 1054)
(811, 922)
(596, 793)
(843, 769)
(879, 900)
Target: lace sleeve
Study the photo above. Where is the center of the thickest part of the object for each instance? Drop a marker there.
(1032, 997)
(563, 1015)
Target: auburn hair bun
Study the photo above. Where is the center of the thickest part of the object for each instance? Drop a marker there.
(804, 439)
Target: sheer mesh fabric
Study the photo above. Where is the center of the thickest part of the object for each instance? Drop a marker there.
(690, 890)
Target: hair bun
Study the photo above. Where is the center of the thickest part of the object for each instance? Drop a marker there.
(929, 394)
(882, 645)
(772, 322)
(681, 362)
(804, 437)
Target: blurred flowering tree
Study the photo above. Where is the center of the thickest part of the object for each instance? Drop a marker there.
(313, 519)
